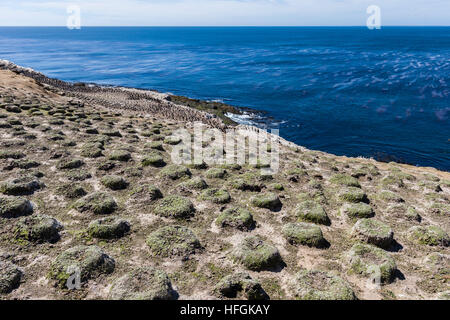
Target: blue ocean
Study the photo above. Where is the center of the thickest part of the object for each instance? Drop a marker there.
(348, 91)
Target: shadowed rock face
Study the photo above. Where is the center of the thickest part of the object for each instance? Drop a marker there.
(213, 231)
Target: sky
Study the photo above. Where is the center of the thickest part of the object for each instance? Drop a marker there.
(224, 12)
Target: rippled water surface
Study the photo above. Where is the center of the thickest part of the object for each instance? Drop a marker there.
(348, 91)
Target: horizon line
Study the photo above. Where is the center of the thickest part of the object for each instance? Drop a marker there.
(219, 26)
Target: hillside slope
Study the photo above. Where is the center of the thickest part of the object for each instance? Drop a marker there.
(89, 185)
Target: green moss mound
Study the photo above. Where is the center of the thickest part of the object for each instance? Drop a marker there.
(92, 150)
(153, 159)
(238, 218)
(120, 155)
(392, 181)
(38, 228)
(321, 285)
(429, 235)
(78, 175)
(389, 196)
(240, 285)
(156, 145)
(97, 203)
(21, 186)
(345, 180)
(71, 191)
(10, 276)
(195, 183)
(303, 233)
(174, 207)
(249, 181)
(143, 283)
(370, 261)
(108, 228)
(267, 200)
(277, 186)
(147, 193)
(437, 262)
(173, 241)
(353, 195)
(172, 140)
(311, 211)
(219, 196)
(13, 207)
(114, 182)
(175, 172)
(355, 211)
(69, 164)
(257, 255)
(216, 173)
(374, 232)
(89, 261)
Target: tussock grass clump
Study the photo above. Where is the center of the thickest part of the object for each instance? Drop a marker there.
(356, 211)
(240, 284)
(147, 192)
(302, 233)
(374, 232)
(90, 261)
(69, 164)
(172, 140)
(257, 255)
(92, 150)
(353, 194)
(174, 207)
(267, 200)
(321, 285)
(97, 203)
(216, 173)
(173, 241)
(238, 218)
(114, 182)
(38, 228)
(175, 172)
(429, 235)
(389, 196)
(345, 180)
(311, 211)
(195, 183)
(108, 228)
(370, 261)
(78, 175)
(71, 191)
(24, 185)
(120, 155)
(219, 196)
(153, 159)
(156, 145)
(143, 283)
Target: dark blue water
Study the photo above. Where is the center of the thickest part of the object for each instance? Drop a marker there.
(348, 91)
